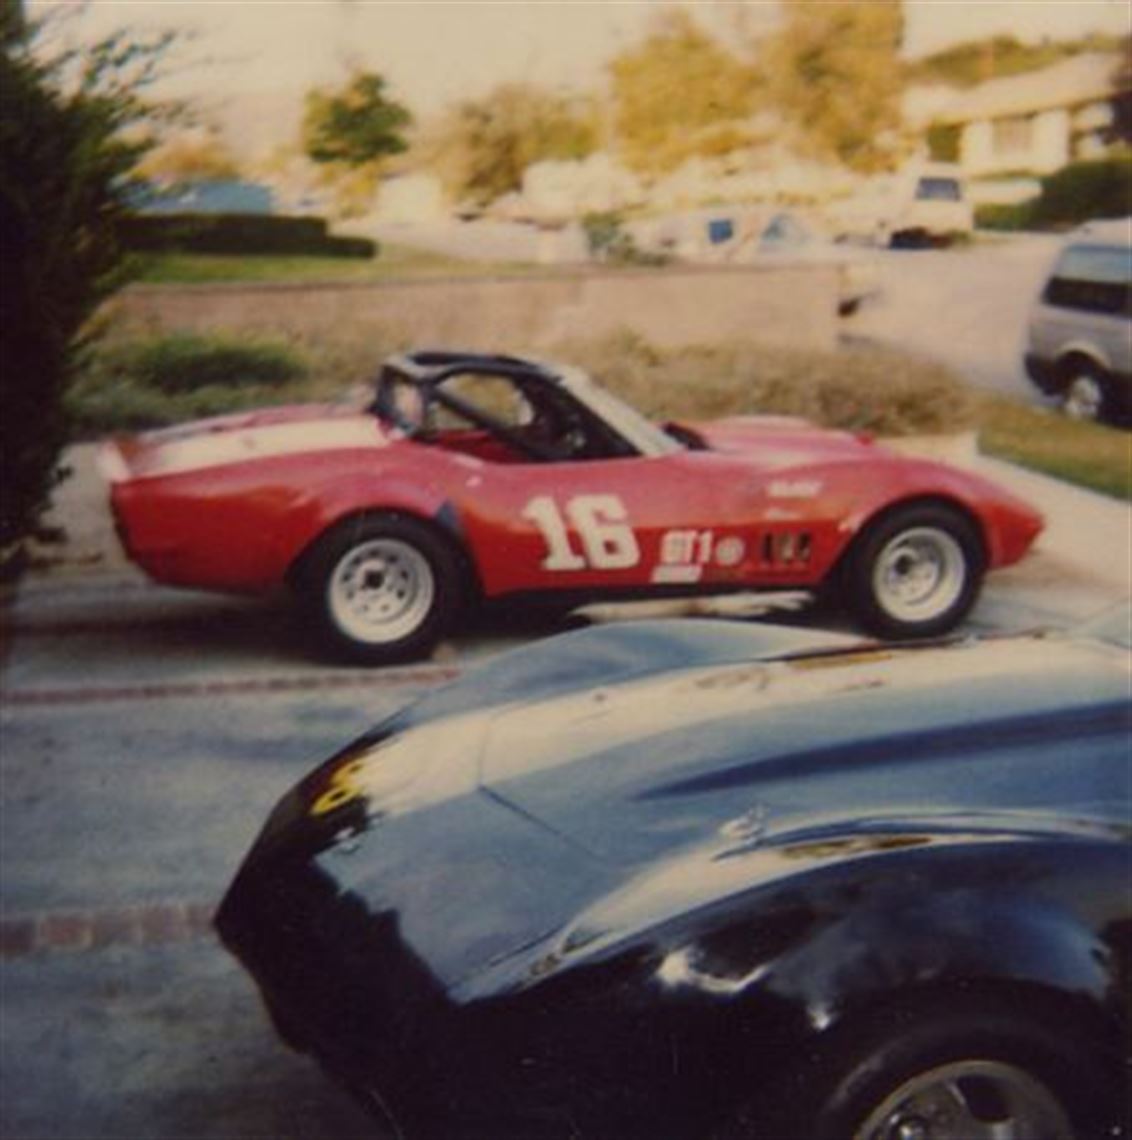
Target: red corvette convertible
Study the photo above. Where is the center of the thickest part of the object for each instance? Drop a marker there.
(477, 478)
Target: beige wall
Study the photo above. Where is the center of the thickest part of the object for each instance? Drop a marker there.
(671, 307)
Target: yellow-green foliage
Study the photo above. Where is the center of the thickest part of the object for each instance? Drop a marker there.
(679, 94)
(835, 75)
(481, 147)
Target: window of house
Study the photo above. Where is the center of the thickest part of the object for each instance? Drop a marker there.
(1012, 136)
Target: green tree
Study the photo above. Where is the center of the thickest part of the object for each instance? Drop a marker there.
(835, 75)
(356, 125)
(65, 164)
(482, 146)
(679, 94)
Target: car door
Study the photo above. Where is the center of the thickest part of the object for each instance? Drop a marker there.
(607, 524)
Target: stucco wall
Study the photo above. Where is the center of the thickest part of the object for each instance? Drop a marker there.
(671, 307)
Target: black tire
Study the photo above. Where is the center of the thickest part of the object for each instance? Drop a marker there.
(942, 1074)
(379, 589)
(914, 572)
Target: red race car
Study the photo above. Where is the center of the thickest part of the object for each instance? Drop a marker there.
(478, 478)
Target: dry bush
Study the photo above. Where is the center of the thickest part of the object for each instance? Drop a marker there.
(860, 389)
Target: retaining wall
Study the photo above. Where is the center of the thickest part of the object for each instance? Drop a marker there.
(668, 308)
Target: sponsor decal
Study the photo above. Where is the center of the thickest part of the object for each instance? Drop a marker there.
(345, 785)
(676, 575)
(730, 551)
(794, 488)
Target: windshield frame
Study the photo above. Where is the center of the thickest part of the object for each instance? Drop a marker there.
(645, 437)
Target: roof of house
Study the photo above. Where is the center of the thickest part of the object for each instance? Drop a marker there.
(1072, 82)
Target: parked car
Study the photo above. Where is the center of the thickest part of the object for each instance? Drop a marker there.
(671, 879)
(490, 477)
(1079, 337)
(768, 236)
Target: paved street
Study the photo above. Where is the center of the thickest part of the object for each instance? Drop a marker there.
(966, 307)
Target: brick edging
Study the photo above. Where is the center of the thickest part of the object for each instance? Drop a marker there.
(151, 924)
(251, 686)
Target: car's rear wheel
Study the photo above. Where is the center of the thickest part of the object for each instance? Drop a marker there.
(915, 572)
(380, 589)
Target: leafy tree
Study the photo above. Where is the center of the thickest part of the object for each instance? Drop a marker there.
(975, 61)
(482, 146)
(835, 74)
(65, 164)
(355, 126)
(680, 94)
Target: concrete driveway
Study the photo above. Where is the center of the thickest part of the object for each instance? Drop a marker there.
(145, 734)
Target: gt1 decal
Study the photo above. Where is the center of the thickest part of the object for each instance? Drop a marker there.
(686, 547)
(608, 542)
(683, 555)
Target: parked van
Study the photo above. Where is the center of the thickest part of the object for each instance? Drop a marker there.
(926, 204)
(1079, 338)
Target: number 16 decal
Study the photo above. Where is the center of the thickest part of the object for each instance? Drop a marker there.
(608, 542)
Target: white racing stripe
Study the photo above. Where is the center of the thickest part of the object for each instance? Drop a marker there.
(219, 448)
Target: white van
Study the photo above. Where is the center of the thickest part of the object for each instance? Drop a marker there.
(1079, 337)
(925, 204)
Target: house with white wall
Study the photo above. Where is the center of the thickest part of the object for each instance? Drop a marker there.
(1037, 122)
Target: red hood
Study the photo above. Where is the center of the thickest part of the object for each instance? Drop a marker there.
(784, 441)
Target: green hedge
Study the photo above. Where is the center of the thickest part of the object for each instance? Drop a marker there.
(184, 362)
(1085, 190)
(1077, 193)
(269, 234)
(157, 380)
(1004, 216)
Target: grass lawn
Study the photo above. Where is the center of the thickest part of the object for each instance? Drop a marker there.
(393, 262)
(1089, 455)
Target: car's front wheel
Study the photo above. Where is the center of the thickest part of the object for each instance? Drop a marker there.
(968, 1098)
(380, 589)
(915, 572)
(1085, 395)
(941, 1075)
